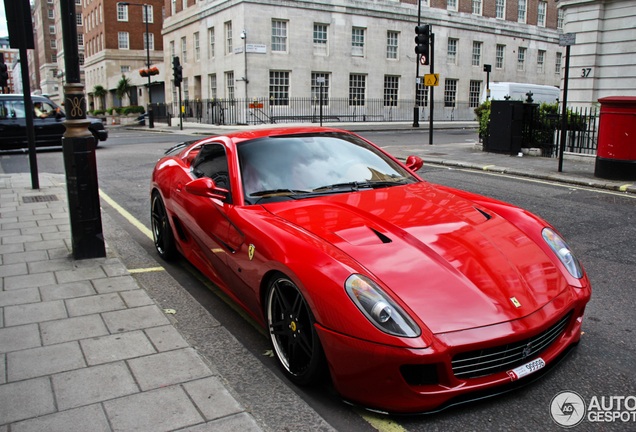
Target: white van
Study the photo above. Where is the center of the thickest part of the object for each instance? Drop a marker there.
(517, 91)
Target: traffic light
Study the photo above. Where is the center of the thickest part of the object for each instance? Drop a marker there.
(4, 75)
(177, 71)
(421, 40)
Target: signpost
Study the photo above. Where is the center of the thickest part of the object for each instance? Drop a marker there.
(566, 40)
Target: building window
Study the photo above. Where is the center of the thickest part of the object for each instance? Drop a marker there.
(421, 95)
(474, 94)
(477, 4)
(81, 59)
(54, 58)
(315, 88)
(392, 45)
(52, 29)
(122, 37)
(51, 14)
(540, 61)
(212, 80)
(78, 18)
(541, 8)
(124, 69)
(278, 88)
(450, 92)
(557, 67)
(171, 49)
(228, 39)
(211, 45)
(122, 12)
(521, 59)
(499, 57)
(184, 50)
(229, 84)
(357, 41)
(500, 9)
(357, 89)
(521, 11)
(560, 15)
(173, 7)
(186, 89)
(53, 44)
(184, 4)
(80, 39)
(320, 39)
(451, 56)
(391, 87)
(451, 5)
(476, 53)
(279, 35)
(197, 49)
(149, 39)
(150, 14)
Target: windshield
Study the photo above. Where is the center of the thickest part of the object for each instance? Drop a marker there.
(300, 166)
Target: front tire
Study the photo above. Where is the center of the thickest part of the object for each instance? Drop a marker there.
(161, 229)
(291, 329)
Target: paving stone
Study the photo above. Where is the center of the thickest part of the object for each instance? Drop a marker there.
(121, 346)
(54, 332)
(29, 281)
(16, 213)
(79, 274)
(94, 304)
(55, 265)
(67, 290)
(18, 269)
(12, 248)
(113, 284)
(60, 235)
(10, 233)
(54, 222)
(88, 418)
(20, 337)
(24, 257)
(45, 360)
(26, 399)
(242, 422)
(94, 384)
(159, 369)
(39, 230)
(212, 398)
(21, 296)
(115, 269)
(42, 245)
(134, 319)
(136, 298)
(21, 239)
(156, 411)
(34, 312)
(19, 225)
(58, 252)
(166, 338)
(3, 369)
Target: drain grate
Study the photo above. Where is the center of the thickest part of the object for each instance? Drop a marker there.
(39, 198)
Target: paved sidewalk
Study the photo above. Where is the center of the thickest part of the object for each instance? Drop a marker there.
(82, 346)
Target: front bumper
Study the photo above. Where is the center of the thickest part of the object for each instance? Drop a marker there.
(102, 135)
(372, 375)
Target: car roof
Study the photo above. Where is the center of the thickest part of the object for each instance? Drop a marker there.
(237, 137)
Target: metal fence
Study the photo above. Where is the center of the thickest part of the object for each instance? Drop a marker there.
(544, 131)
(299, 110)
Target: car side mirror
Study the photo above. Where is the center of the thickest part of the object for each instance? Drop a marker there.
(414, 163)
(206, 187)
(59, 115)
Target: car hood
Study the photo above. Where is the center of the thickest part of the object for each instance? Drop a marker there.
(454, 264)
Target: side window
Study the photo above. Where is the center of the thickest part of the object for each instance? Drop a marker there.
(212, 162)
(44, 109)
(4, 110)
(13, 109)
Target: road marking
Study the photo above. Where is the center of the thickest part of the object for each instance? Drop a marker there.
(146, 270)
(380, 422)
(563, 185)
(130, 218)
(624, 187)
(487, 166)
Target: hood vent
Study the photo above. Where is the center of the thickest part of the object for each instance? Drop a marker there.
(486, 215)
(381, 236)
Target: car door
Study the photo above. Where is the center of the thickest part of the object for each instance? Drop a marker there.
(48, 125)
(207, 218)
(12, 124)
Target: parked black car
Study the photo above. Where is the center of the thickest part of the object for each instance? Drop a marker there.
(47, 122)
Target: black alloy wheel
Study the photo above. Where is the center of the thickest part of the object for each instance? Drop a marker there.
(161, 230)
(291, 330)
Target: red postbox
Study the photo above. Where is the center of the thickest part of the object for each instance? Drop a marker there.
(616, 153)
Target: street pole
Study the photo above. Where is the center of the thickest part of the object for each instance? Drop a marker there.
(151, 118)
(416, 110)
(78, 145)
(564, 115)
(430, 120)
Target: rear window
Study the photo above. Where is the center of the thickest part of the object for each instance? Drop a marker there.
(12, 109)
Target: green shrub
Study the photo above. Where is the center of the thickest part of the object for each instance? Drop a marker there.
(98, 112)
(134, 109)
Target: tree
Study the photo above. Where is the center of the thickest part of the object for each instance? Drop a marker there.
(124, 88)
(100, 92)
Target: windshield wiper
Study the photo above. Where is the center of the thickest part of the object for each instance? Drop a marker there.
(279, 192)
(361, 185)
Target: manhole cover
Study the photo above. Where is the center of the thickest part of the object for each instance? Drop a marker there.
(39, 198)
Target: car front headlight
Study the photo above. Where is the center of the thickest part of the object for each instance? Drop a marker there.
(378, 307)
(563, 251)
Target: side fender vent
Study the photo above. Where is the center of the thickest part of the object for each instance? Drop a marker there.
(180, 231)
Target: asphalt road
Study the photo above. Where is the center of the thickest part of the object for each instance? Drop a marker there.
(599, 225)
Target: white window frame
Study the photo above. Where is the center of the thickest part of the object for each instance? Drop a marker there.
(122, 12)
(51, 13)
(53, 44)
(500, 9)
(558, 67)
(391, 92)
(212, 86)
(522, 11)
(560, 18)
(542, 8)
(357, 41)
(321, 45)
(500, 60)
(150, 14)
(124, 69)
(184, 50)
(474, 93)
(451, 5)
(521, 59)
(123, 40)
(78, 19)
(477, 48)
(211, 42)
(51, 29)
(279, 87)
(451, 51)
(279, 35)
(450, 92)
(357, 90)
(392, 44)
(315, 88)
(478, 7)
(541, 61)
(228, 40)
(151, 41)
(197, 47)
(229, 85)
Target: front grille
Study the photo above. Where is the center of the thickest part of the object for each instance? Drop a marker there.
(488, 361)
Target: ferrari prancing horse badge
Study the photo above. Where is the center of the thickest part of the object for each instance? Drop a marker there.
(250, 251)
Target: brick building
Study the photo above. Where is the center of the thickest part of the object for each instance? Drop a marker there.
(10, 58)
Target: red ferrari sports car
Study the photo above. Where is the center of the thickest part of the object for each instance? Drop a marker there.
(413, 296)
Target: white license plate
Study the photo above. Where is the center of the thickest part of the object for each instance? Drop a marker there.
(526, 369)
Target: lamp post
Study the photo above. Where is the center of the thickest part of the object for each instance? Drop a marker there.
(151, 119)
